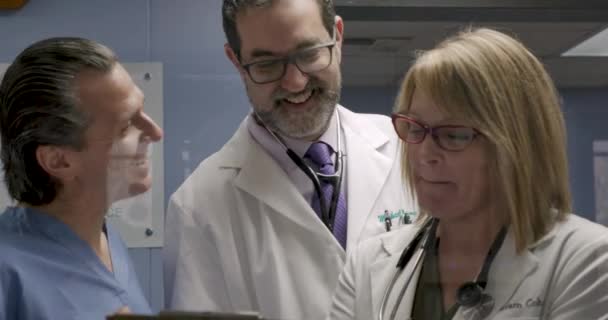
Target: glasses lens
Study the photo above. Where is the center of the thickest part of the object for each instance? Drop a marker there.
(313, 60)
(266, 71)
(454, 139)
(409, 131)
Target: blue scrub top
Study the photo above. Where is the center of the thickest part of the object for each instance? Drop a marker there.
(48, 272)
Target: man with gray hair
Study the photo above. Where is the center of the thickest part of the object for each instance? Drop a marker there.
(265, 223)
(74, 140)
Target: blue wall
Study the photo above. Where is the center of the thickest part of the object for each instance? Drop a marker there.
(586, 113)
(204, 99)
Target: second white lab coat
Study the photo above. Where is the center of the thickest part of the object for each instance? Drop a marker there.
(240, 236)
(564, 275)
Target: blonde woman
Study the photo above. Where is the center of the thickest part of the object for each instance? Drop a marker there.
(483, 141)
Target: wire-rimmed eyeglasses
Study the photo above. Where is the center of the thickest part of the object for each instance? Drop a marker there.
(447, 137)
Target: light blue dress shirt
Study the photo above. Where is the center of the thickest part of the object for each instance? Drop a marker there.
(48, 272)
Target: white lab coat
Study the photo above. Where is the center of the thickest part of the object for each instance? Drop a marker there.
(566, 272)
(239, 235)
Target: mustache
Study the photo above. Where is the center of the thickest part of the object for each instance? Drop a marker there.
(313, 84)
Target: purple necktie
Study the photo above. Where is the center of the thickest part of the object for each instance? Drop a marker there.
(320, 154)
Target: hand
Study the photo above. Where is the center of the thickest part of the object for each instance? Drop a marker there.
(123, 310)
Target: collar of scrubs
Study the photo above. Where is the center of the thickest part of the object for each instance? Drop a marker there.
(58, 232)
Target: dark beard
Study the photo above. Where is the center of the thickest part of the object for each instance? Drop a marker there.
(307, 124)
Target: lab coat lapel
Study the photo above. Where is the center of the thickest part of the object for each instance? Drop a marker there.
(384, 269)
(261, 177)
(367, 169)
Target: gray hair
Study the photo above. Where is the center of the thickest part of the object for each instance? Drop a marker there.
(231, 8)
(39, 106)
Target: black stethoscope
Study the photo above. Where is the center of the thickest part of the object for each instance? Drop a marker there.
(327, 213)
(468, 295)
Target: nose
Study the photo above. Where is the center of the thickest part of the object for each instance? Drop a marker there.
(294, 80)
(427, 152)
(151, 130)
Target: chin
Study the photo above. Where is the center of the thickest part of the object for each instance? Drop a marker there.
(131, 190)
(139, 188)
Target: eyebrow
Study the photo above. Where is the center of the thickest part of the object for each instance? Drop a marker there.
(262, 53)
(257, 53)
(440, 122)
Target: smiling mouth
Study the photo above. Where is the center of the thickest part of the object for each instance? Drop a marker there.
(300, 98)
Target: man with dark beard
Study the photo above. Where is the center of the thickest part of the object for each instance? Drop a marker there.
(255, 228)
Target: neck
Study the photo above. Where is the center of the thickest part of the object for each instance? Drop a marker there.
(463, 248)
(471, 236)
(83, 217)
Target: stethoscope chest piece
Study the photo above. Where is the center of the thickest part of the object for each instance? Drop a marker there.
(475, 304)
(469, 294)
(481, 310)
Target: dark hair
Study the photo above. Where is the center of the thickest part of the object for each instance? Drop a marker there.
(231, 8)
(39, 106)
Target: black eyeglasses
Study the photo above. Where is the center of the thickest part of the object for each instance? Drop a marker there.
(307, 60)
(449, 137)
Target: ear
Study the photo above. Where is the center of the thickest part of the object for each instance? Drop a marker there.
(339, 37)
(235, 60)
(57, 162)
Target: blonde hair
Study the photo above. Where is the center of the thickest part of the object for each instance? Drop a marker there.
(494, 82)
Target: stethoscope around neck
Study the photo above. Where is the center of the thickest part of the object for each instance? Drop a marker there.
(327, 212)
(469, 294)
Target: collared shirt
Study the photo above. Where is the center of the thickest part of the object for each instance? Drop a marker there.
(277, 152)
(48, 272)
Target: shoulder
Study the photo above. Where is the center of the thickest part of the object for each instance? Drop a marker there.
(207, 176)
(205, 192)
(363, 120)
(15, 237)
(576, 232)
(11, 286)
(378, 120)
(371, 129)
(575, 248)
(578, 257)
(8, 249)
(13, 258)
(212, 177)
(572, 240)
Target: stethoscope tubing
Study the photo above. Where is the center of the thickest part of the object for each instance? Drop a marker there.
(327, 214)
(418, 244)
